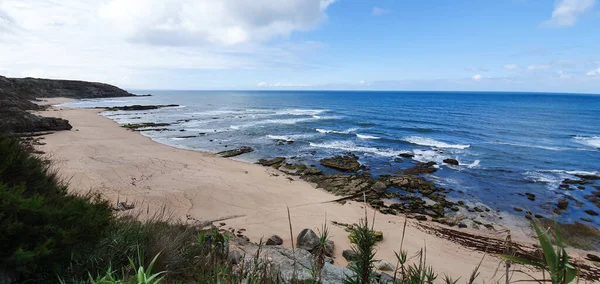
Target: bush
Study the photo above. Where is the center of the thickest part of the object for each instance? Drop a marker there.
(41, 226)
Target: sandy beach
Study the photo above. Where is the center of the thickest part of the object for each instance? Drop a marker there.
(97, 155)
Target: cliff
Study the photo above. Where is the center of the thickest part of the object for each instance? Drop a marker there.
(17, 94)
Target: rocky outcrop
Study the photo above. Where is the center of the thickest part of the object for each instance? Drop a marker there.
(275, 162)
(138, 107)
(346, 163)
(14, 119)
(422, 168)
(235, 152)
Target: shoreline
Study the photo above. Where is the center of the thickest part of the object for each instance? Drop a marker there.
(97, 155)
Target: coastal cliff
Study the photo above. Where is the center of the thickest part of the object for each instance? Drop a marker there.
(17, 96)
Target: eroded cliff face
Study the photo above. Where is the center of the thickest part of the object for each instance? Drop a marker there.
(17, 94)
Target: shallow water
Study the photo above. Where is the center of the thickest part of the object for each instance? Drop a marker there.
(507, 143)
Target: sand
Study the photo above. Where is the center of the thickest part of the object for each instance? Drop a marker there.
(98, 155)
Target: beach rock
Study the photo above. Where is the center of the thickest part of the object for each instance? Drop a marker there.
(462, 225)
(563, 204)
(383, 265)
(234, 257)
(421, 217)
(518, 209)
(406, 155)
(312, 171)
(17, 120)
(571, 181)
(275, 162)
(235, 152)
(586, 219)
(422, 168)
(578, 235)
(349, 255)
(307, 239)
(530, 196)
(346, 163)
(138, 107)
(588, 176)
(329, 248)
(274, 240)
(591, 212)
(451, 161)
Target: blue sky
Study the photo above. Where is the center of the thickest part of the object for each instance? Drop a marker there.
(504, 45)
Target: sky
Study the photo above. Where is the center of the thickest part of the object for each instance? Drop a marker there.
(470, 45)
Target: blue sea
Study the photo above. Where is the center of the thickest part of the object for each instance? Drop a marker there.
(507, 143)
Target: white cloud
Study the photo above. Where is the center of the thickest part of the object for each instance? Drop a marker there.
(538, 67)
(379, 11)
(511, 67)
(594, 73)
(566, 12)
(477, 77)
(123, 41)
(563, 75)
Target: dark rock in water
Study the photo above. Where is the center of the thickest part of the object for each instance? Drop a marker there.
(422, 168)
(588, 177)
(586, 219)
(593, 257)
(138, 107)
(539, 216)
(398, 160)
(462, 225)
(573, 181)
(421, 217)
(591, 212)
(275, 162)
(284, 142)
(451, 162)
(350, 255)
(530, 196)
(562, 204)
(235, 152)
(274, 240)
(307, 239)
(346, 163)
(406, 155)
(518, 209)
(564, 186)
(186, 137)
(137, 126)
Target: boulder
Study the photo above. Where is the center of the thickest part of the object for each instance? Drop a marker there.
(383, 265)
(421, 217)
(346, 163)
(530, 196)
(274, 240)
(234, 257)
(451, 162)
(462, 225)
(329, 248)
(591, 212)
(307, 239)
(235, 152)
(349, 255)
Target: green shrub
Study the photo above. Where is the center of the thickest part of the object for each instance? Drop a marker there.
(41, 226)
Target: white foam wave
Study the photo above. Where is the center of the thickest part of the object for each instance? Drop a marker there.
(301, 111)
(473, 165)
(531, 146)
(593, 141)
(326, 131)
(290, 137)
(434, 143)
(178, 138)
(571, 172)
(425, 156)
(279, 121)
(363, 136)
(350, 146)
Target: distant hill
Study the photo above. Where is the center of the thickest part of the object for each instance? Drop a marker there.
(17, 94)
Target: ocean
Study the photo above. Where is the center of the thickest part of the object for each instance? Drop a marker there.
(507, 144)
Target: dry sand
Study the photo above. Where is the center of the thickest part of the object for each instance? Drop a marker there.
(98, 155)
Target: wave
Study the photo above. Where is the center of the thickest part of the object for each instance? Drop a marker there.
(363, 136)
(350, 146)
(290, 137)
(473, 165)
(434, 143)
(326, 131)
(301, 111)
(592, 141)
(288, 121)
(531, 146)
(590, 173)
